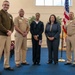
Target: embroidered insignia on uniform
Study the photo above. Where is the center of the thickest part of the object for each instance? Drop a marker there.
(10, 17)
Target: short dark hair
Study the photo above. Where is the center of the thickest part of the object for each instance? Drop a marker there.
(54, 17)
(37, 13)
(5, 1)
(21, 10)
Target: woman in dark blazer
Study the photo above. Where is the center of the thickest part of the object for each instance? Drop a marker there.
(52, 32)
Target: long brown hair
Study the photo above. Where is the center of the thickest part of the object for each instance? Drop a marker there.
(50, 19)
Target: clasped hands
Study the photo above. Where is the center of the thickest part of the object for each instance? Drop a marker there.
(36, 37)
(9, 32)
(24, 34)
(51, 38)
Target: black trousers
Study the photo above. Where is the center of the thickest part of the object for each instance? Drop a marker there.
(36, 51)
(53, 47)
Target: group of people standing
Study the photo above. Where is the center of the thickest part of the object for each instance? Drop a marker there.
(36, 28)
(7, 26)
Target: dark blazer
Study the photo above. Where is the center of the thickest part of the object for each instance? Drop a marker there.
(37, 29)
(55, 31)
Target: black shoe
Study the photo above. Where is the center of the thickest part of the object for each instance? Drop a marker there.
(34, 63)
(25, 63)
(49, 62)
(67, 64)
(73, 65)
(38, 63)
(55, 63)
(9, 68)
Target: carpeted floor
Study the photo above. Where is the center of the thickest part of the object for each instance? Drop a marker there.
(43, 69)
